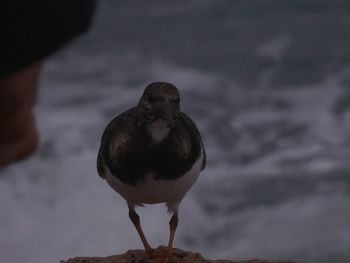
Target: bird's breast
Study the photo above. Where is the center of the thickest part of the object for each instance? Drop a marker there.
(134, 159)
(151, 190)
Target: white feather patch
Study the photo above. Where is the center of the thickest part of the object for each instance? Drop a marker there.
(158, 130)
(151, 191)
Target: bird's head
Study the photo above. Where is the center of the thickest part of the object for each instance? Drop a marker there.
(158, 106)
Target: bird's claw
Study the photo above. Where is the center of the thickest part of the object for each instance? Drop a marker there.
(154, 254)
(160, 255)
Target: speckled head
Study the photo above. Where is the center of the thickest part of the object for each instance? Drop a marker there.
(161, 92)
(160, 101)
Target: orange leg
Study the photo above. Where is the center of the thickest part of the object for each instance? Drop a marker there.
(173, 225)
(135, 219)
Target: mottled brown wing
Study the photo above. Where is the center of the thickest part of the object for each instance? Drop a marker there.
(100, 165)
(112, 127)
(193, 125)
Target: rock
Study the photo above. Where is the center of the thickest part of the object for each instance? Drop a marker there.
(139, 256)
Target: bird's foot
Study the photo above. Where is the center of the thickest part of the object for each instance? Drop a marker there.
(161, 255)
(153, 253)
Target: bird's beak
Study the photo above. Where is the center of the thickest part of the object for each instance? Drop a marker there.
(168, 116)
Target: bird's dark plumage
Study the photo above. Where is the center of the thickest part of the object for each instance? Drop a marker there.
(152, 153)
(132, 160)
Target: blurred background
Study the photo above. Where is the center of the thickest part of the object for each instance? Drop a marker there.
(267, 83)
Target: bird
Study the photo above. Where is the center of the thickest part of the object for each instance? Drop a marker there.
(152, 153)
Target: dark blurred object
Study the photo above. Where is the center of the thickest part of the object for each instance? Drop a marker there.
(33, 29)
(30, 31)
(18, 132)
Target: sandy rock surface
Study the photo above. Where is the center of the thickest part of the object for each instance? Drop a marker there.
(179, 256)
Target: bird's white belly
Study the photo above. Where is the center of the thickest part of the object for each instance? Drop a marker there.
(151, 191)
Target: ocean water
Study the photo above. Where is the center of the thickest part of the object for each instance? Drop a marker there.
(267, 83)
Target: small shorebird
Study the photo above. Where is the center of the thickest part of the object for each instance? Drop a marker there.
(152, 153)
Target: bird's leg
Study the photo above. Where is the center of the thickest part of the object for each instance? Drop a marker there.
(169, 250)
(173, 225)
(135, 219)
